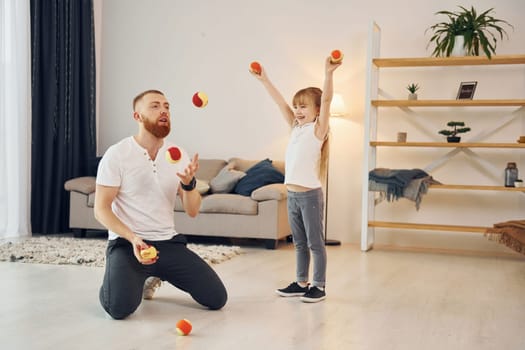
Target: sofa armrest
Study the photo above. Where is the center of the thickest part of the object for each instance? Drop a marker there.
(268, 192)
(84, 184)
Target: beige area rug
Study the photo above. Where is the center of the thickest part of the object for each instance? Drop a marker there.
(88, 252)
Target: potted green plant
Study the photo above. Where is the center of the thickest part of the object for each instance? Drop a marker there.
(457, 128)
(412, 88)
(479, 31)
(445, 34)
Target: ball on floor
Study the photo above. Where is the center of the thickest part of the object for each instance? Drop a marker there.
(183, 327)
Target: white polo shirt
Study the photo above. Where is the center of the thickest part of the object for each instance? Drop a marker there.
(148, 187)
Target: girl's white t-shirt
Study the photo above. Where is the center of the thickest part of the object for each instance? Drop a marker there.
(302, 157)
(148, 187)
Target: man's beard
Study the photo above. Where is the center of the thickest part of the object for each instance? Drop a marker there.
(159, 131)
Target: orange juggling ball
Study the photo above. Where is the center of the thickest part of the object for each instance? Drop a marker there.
(255, 67)
(336, 56)
(184, 327)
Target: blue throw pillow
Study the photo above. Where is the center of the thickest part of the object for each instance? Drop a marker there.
(261, 174)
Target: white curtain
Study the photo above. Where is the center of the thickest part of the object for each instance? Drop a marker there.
(15, 119)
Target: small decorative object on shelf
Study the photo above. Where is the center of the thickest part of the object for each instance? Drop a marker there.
(466, 90)
(511, 174)
(479, 31)
(412, 88)
(457, 128)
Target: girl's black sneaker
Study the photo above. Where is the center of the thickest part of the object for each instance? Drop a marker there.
(313, 295)
(293, 290)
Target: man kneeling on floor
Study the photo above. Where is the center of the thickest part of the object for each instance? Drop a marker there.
(135, 195)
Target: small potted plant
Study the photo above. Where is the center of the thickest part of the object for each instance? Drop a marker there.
(457, 128)
(476, 31)
(412, 88)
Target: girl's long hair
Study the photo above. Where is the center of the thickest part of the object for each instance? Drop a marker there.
(309, 95)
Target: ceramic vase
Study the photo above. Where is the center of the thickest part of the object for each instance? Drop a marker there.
(459, 46)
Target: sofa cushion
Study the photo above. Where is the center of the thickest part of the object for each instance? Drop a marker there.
(209, 168)
(227, 203)
(269, 192)
(241, 164)
(91, 200)
(245, 164)
(202, 186)
(262, 173)
(226, 180)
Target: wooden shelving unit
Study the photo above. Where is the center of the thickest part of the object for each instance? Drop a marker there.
(448, 61)
(428, 227)
(369, 222)
(448, 103)
(477, 188)
(447, 144)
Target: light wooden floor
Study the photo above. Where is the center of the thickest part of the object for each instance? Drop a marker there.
(383, 299)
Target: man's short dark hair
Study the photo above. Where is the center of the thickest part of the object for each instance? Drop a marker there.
(144, 93)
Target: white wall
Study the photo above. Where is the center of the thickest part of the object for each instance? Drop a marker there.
(182, 47)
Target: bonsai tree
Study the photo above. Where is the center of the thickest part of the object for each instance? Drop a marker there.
(479, 31)
(456, 128)
(412, 88)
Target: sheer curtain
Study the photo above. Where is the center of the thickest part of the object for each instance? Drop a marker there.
(15, 118)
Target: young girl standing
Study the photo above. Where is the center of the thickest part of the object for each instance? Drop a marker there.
(305, 161)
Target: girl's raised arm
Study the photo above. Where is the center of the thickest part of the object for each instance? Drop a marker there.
(277, 97)
(326, 98)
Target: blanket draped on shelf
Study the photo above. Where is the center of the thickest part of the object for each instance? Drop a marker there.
(396, 183)
(511, 233)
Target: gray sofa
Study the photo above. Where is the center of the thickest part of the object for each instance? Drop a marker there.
(260, 215)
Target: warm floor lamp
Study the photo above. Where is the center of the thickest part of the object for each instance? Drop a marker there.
(337, 109)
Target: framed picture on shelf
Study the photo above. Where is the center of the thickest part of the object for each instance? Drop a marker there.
(466, 90)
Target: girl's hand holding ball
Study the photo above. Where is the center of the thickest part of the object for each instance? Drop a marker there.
(255, 68)
(336, 56)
